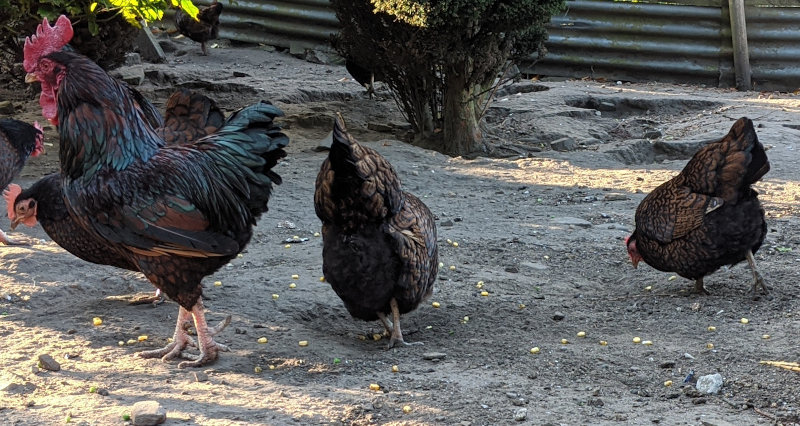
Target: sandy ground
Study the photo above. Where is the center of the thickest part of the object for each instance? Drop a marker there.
(543, 230)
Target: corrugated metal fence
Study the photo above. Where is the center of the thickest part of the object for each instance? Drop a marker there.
(683, 41)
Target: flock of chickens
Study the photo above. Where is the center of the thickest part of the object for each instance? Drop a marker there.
(176, 197)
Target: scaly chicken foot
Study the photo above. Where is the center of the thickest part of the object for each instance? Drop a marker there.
(758, 280)
(156, 299)
(699, 288)
(396, 333)
(387, 325)
(5, 239)
(180, 339)
(209, 349)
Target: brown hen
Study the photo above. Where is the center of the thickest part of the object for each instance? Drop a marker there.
(707, 216)
(379, 243)
(202, 29)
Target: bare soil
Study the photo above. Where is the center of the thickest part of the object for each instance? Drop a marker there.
(542, 229)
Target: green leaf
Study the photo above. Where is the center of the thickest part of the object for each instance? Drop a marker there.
(189, 8)
(783, 249)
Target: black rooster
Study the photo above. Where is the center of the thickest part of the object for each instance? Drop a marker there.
(179, 213)
(379, 243)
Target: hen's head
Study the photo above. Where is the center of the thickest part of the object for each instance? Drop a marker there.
(48, 39)
(633, 253)
(19, 211)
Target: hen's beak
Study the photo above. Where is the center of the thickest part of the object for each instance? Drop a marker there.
(634, 261)
(31, 78)
(15, 222)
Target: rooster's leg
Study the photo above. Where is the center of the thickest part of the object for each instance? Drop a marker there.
(209, 349)
(397, 334)
(180, 340)
(5, 239)
(757, 279)
(699, 288)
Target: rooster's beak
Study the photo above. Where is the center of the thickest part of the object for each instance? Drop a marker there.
(31, 78)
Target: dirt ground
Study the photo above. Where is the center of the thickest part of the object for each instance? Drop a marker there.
(542, 229)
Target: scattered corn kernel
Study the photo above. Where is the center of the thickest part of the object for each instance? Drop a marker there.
(295, 277)
(258, 369)
(672, 278)
(262, 340)
(218, 283)
(292, 285)
(441, 265)
(521, 306)
(406, 409)
(303, 343)
(142, 338)
(395, 369)
(452, 267)
(449, 241)
(535, 350)
(712, 328)
(362, 337)
(322, 279)
(709, 346)
(648, 288)
(374, 386)
(546, 257)
(744, 320)
(668, 383)
(455, 244)
(466, 319)
(271, 367)
(316, 234)
(564, 341)
(376, 337)
(121, 343)
(275, 296)
(648, 343)
(240, 255)
(581, 334)
(97, 321)
(287, 246)
(131, 342)
(603, 343)
(637, 340)
(484, 293)
(435, 304)
(765, 336)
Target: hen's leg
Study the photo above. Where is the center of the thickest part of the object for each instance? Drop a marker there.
(699, 288)
(203, 47)
(757, 279)
(387, 326)
(5, 239)
(209, 349)
(397, 334)
(180, 340)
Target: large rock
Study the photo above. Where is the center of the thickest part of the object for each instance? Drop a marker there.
(148, 413)
(149, 47)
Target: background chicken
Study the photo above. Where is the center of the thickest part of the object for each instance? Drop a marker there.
(202, 29)
(379, 243)
(18, 141)
(179, 213)
(189, 116)
(707, 216)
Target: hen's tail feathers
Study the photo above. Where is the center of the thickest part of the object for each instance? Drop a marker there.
(190, 116)
(248, 146)
(341, 154)
(744, 135)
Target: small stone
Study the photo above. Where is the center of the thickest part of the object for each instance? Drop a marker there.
(146, 413)
(133, 74)
(652, 134)
(607, 106)
(102, 392)
(446, 223)
(667, 364)
(563, 144)
(596, 402)
(709, 384)
(48, 363)
(520, 414)
(433, 356)
(199, 376)
(133, 58)
(240, 74)
(558, 316)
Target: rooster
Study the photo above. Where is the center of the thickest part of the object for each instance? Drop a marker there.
(18, 142)
(202, 29)
(707, 216)
(379, 243)
(189, 116)
(179, 213)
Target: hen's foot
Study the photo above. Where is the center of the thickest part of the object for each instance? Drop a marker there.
(5, 239)
(209, 349)
(398, 342)
(699, 288)
(397, 333)
(180, 340)
(758, 280)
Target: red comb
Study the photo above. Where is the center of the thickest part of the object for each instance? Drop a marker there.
(10, 194)
(46, 41)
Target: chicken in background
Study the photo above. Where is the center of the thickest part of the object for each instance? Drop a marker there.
(379, 243)
(202, 29)
(18, 142)
(179, 213)
(707, 216)
(189, 116)
(363, 76)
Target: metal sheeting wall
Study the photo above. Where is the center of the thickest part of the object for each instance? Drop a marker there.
(674, 43)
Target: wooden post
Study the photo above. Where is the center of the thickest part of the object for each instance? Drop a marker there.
(741, 53)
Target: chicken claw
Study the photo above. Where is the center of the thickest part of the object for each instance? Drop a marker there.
(396, 333)
(699, 288)
(5, 239)
(758, 280)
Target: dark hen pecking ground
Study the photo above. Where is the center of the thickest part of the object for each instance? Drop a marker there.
(379, 243)
(202, 29)
(707, 216)
(179, 213)
(18, 142)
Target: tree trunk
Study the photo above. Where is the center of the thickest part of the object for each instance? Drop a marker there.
(461, 133)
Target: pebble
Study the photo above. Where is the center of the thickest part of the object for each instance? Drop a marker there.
(145, 413)
(558, 316)
(520, 414)
(199, 376)
(709, 384)
(433, 356)
(48, 363)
